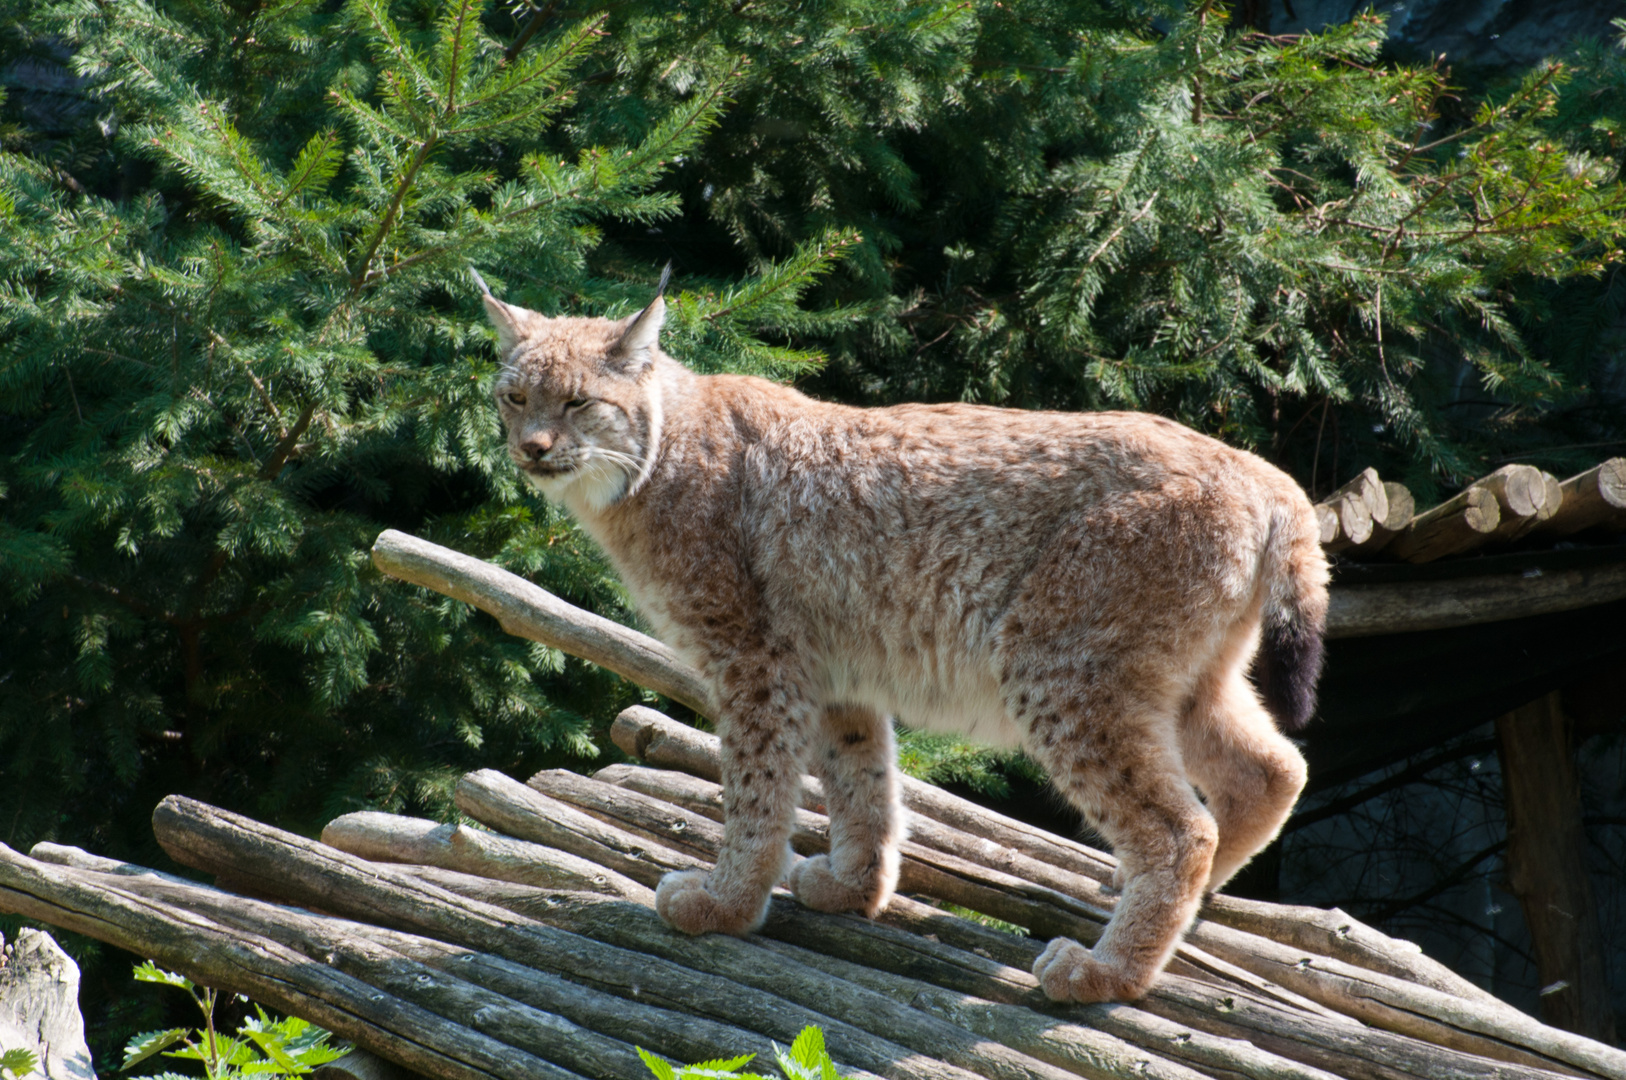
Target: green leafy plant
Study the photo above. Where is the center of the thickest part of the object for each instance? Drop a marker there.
(807, 1059)
(263, 1046)
(17, 1063)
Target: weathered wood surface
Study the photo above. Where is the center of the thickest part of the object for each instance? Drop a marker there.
(1399, 509)
(112, 909)
(895, 1002)
(1521, 498)
(391, 838)
(530, 611)
(1596, 497)
(39, 1006)
(1388, 985)
(944, 820)
(1368, 610)
(361, 1065)
(1459, 524)
(365, 950)
(1385, 1001)
(1356, 509)
(868, 1030)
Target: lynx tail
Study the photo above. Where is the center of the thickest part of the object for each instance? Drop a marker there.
(1288, 663)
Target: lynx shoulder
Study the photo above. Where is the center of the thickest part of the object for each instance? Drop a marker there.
(1093, 587)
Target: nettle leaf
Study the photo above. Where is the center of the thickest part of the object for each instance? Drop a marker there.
(149, 972)
(19, 1062)
(807, 1059)
(146, 1044)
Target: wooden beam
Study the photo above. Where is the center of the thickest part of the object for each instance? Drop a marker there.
(1461, 523)
(1596, 497)
(529, 611)
(1547, 869)
(1397, 608)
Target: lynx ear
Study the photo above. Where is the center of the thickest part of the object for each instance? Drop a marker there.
(641, 333)
(512, 323)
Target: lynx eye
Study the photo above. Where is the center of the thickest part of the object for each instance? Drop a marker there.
(576, 403)
(514, 397)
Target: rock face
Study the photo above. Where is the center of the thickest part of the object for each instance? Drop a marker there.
(39, 1006)
(1508, 34)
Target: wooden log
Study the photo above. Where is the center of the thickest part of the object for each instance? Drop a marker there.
(529, 611)
(1367, 610)
(943, 876)
(503, 803)
(1491, 1030)
(352, 946)
(1399, 508)
(1355, 507)
(1475, 1025)
(1552, 502)
(1547, 866)
(667, 742)
(1337, 1043)
(1336, 934)
(1272, 1027)
(392, 838)
(212, 839)
(360, 1065)
(215, 955)
(1326, 521)
(1592, 499)
(1521, 496)
(1459, 524)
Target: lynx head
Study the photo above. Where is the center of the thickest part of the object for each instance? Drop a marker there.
(580, 399)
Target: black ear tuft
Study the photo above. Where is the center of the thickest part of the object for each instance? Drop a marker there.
(666, 276)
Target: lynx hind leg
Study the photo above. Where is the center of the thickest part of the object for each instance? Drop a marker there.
(1112, 753)
(854, 756)
(1248, 771)
(765, 730)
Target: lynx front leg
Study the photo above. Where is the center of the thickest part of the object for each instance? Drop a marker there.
(765, 729)
(855, 758)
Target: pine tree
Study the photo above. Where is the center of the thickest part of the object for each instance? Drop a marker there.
(245, 343)
(1288, 242)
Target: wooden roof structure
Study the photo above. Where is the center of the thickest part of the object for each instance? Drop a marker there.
(528, 947)
(1444, 619)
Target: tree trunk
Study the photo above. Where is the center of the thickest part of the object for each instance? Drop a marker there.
(1546, 864)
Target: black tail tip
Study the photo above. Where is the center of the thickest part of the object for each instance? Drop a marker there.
(1286, 671)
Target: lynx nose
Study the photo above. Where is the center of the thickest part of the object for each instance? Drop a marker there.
(536, 445)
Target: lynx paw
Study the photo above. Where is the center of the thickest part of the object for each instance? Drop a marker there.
(684, 902)
(817, 886)
(1068, 972)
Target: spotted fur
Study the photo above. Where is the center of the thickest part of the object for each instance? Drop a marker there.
(1089, 586)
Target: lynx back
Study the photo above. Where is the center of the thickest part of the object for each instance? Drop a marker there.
(1093, 587)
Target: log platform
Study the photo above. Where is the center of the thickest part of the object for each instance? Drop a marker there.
(524, 944)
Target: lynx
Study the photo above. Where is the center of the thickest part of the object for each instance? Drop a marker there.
(1092, 587)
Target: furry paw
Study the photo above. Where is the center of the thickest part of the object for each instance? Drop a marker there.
(817, 886)
(684, 902)
(1067, 971)
(1114, 885)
